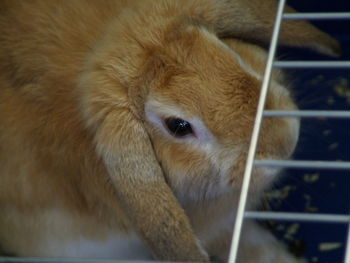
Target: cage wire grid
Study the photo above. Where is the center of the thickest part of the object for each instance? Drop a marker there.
(251, 162)
(261, 113)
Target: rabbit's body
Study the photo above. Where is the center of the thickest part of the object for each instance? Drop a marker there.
(45, 148)
(42, 191)
(84, 88)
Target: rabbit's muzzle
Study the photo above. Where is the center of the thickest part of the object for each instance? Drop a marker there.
(277, 141)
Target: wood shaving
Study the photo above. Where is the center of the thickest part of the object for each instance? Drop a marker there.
(316, 81)
(327, 246)
(308, 206)
(291, 231)
(314, 259)
(333, 146)
(326, 132)
(342, 88)
(280, 193)
(311, 178)
(330, 100)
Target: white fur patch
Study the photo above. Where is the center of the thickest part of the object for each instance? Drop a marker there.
(116, 246)
(55, 233)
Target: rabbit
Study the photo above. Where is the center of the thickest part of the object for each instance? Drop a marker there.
(125, 125)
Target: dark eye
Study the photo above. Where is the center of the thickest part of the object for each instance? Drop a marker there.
(178, 127)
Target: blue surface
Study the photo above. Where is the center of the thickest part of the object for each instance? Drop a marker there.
(318, 191)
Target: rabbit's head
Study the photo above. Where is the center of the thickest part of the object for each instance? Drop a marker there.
(194, 86)
(200, 111)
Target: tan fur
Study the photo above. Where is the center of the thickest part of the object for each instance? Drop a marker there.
(75, 78)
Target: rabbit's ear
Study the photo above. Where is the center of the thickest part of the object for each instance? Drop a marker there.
(253, 20)
(140, 184)
(126, 150)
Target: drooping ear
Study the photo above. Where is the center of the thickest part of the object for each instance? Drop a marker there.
(253, 20)
(126, 150)
(140, 184)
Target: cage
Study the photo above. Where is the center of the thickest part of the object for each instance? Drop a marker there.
(311, 205)
(311, 208)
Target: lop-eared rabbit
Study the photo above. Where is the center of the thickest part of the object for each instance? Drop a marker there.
(125, 124)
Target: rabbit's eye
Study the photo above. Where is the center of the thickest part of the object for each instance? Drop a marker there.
(178, 127)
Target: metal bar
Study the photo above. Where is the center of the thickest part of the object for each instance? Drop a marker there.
(61, 260)
(347, 248)
(311, 64)
(282, 216)
(255, 136)
(307, 113)
(304, 164)
(317, 16)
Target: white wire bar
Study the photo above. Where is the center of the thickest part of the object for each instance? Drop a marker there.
(307, 113)
(282, 216)
(347, 249)
(317, 16)
(255, 136)
(312, 64)
(328, 165)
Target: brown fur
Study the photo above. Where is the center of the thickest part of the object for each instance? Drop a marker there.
(74, 80)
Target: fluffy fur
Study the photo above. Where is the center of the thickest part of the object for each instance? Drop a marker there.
(85, 159)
